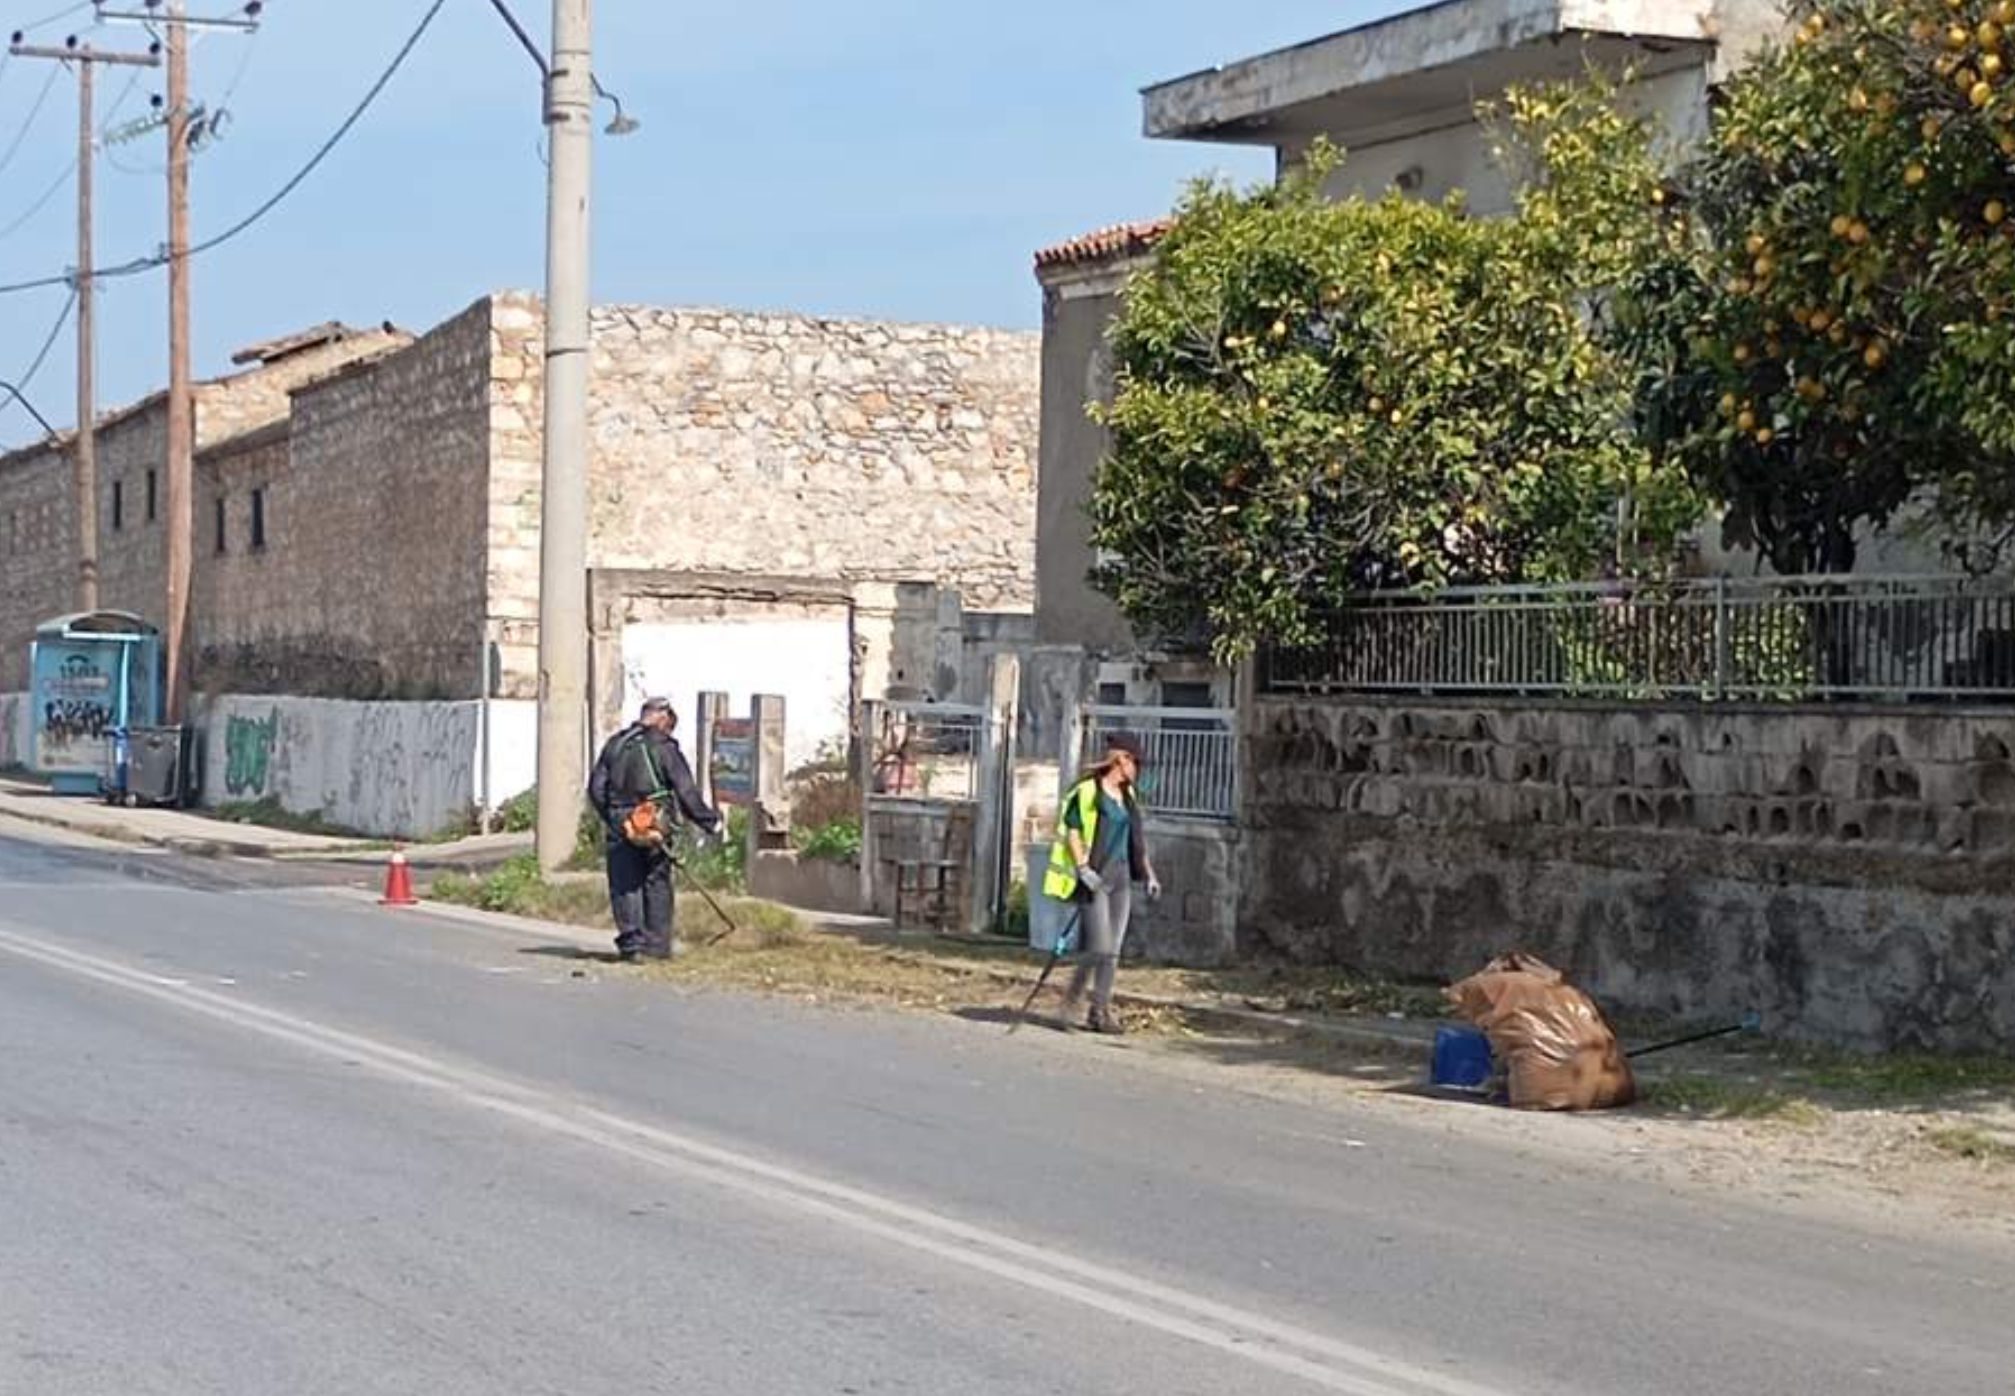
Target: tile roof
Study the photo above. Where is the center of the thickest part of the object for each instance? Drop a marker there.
(1105, 245)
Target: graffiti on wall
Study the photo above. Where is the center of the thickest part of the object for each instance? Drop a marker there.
(76, 703)
(248, 752)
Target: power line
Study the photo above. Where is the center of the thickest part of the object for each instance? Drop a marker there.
(27, 378)
(32, 25)
(40, 203)
(141, 265)
(328, 146)
(28, 125)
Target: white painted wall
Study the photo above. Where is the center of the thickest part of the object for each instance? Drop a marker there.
(513, 750)
(808, 661)
(1457, 155)
(14, 733)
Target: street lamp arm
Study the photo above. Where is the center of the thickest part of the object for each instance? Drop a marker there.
(621, 125)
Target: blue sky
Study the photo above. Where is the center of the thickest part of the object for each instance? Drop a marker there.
(888, 158)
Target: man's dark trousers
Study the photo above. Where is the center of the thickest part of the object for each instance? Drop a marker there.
(640, 896)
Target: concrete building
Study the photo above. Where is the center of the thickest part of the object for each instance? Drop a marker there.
(769, 495)
(1400, 96)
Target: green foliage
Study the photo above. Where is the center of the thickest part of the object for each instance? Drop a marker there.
(514, 887)
(1317, 397)
(838, 841)
(717, 866)
(1826, 335)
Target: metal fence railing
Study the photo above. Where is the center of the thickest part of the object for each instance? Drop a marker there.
(1781, 639)
(1192, 756)
(928, 750)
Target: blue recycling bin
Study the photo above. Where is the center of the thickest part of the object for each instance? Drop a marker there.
(1462, 1059)
(94, 674)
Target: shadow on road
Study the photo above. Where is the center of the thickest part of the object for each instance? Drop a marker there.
(574, 952)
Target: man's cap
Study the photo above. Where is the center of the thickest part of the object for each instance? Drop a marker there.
(656, 705)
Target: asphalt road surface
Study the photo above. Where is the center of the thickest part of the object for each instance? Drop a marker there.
(258, 1137)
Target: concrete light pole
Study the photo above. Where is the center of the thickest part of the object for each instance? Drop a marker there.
(563, 498)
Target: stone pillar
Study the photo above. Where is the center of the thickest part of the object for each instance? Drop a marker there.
(711, 708)
(769, 809)
(993, 816)
(866, 723)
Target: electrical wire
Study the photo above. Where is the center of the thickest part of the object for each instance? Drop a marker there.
(32, 25)
(141, 265)
(27, 378)
(41, 99)
(105, 145)
(40, 203)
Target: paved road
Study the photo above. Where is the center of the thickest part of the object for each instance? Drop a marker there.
(262, 1138)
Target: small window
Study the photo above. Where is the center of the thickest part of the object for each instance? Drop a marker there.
(118, 504)
(1112, 695)
(220, 523)
(152, 499)
(258, 518)
(1184, 694)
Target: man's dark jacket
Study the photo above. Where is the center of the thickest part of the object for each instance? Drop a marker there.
(624, 779)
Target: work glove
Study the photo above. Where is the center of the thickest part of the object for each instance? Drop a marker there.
(1089, 879)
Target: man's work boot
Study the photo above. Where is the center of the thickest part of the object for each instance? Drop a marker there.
(1104, 1020)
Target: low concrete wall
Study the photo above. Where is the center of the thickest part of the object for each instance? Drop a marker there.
(811, 884)
(1850, 874)
(14, 734)
(401, 770)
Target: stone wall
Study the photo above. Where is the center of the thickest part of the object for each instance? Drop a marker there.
(1845, 873)
(38, 550)
(404, 770)
(370, 583)
(775, 445)
(37, 558)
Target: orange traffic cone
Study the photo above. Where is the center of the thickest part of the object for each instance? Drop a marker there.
(398, 882)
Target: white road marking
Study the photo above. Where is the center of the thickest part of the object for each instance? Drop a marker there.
(1327, 1362)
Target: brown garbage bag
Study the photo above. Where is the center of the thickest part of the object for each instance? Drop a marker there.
(1560, 1053)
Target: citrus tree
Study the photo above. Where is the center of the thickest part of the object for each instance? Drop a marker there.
(1827, 336)
(1317, 397)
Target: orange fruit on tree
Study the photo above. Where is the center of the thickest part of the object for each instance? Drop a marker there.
(1914, 174)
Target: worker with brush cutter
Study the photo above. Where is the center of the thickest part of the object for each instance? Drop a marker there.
(641, 788)
(1099, 854)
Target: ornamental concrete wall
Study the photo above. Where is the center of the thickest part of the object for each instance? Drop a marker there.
(1849, 874)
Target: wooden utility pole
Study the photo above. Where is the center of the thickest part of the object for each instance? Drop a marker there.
(181, 445)
(84, 450)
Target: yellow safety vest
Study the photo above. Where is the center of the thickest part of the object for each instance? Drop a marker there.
(1059, 879)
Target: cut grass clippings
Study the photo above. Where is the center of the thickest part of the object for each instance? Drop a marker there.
(1972, 1143)
(1719, 1098)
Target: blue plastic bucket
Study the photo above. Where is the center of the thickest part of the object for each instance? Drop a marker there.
(1461, 1058)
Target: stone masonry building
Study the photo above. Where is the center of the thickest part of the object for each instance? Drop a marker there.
(367, 514)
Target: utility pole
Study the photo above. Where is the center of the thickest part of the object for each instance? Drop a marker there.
(84, 450)
(181, 445)
(180, 450)
(563, 499)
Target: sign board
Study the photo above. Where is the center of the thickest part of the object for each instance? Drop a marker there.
(733, 770)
